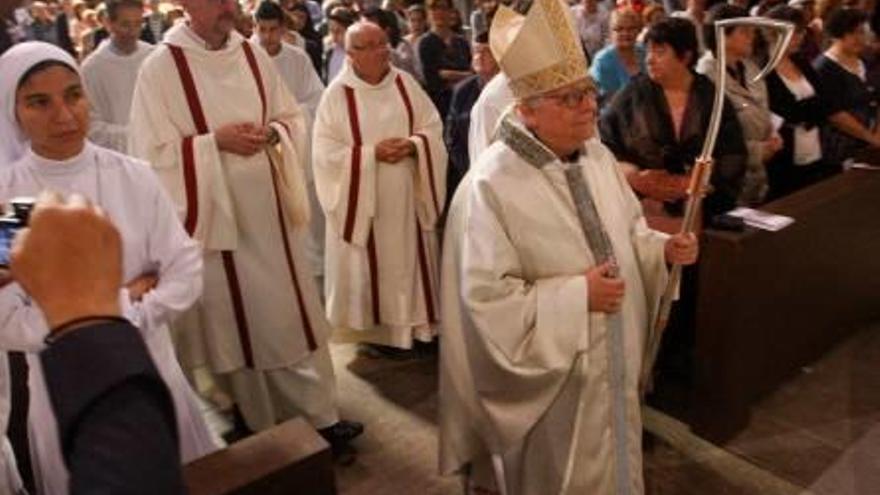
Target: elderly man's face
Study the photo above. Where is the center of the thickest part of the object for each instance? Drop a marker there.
(217, 15)
(369, 53)
(563, 118)
(624, 30)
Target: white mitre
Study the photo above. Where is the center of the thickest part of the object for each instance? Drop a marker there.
(539, 51)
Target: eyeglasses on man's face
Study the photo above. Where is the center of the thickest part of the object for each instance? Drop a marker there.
(573, 98)
(370, 47)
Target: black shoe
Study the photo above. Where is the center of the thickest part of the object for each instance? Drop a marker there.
(240, 429)
(379, 351)
(425, 349)
(342, 432)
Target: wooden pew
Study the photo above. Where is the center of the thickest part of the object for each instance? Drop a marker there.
(289, 458)
(769, 303)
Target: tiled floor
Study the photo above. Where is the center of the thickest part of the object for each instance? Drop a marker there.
(822, 430)
(819, 433)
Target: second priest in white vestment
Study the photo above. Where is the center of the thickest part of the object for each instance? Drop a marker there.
(381, 250)
(110, 73)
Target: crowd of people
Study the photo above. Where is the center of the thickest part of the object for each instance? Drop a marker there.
(436, 43)
(279, 170)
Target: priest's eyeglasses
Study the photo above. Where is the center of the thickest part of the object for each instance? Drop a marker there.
(573, 98)
(371, 47)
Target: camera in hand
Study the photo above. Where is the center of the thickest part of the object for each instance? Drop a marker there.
(15, 217)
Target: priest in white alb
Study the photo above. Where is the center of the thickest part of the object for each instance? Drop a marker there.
(550, 280)
(298, 74)
(213, 117)
(110, 73)
(380, 171)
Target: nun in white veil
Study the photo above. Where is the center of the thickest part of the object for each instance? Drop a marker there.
(43, 127)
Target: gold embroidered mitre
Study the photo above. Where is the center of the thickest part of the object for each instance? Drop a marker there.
(539, 51)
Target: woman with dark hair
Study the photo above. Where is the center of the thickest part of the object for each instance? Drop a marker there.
(796, 94)
(748, 97)
(301, 22)
(445, 56)
(656, 126)
(45, 121)
(852, 97)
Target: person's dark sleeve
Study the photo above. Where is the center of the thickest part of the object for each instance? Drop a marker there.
(115, 415)
(834, 88)
(464, 57)
(431, 58)
(822, 109)
(609, 130)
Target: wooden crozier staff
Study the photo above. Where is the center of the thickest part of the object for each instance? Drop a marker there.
(702, 172)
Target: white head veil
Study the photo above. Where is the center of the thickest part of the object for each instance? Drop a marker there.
(13, 65)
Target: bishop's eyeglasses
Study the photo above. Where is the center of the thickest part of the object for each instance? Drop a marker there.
(573, 98)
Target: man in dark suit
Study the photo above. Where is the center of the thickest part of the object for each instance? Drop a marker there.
(115, 415)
